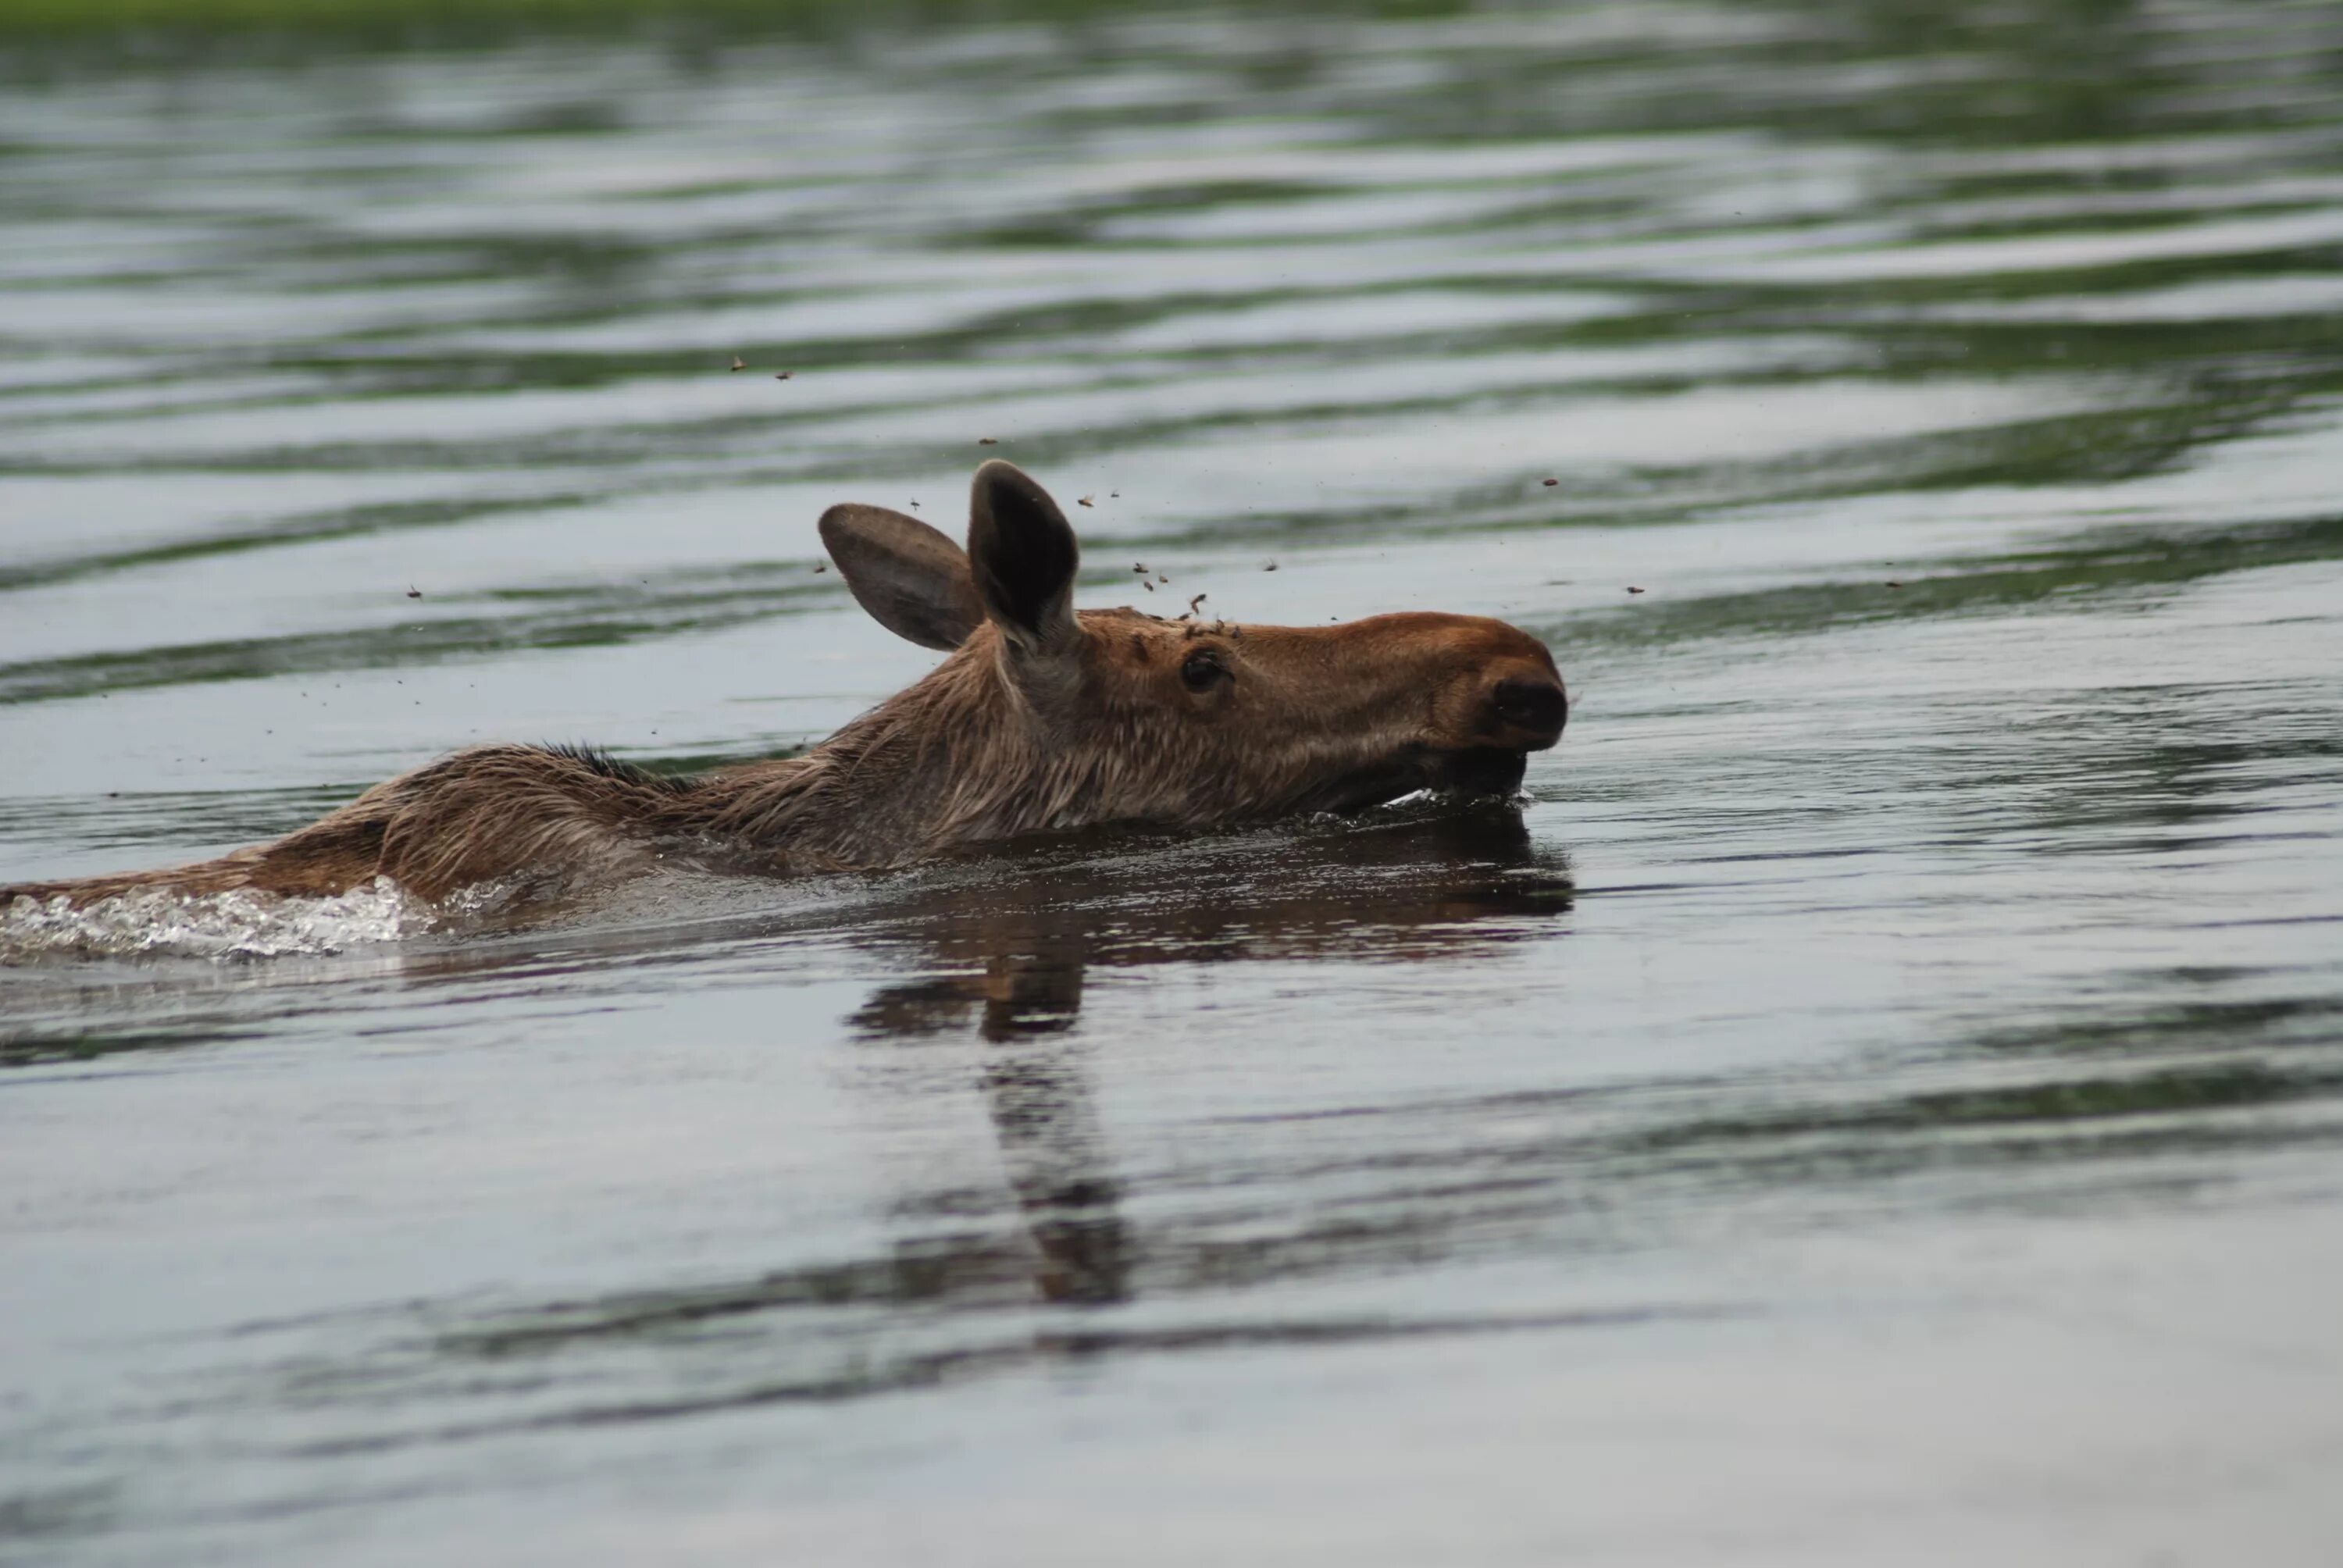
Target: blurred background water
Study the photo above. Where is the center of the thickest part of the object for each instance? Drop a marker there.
(1878, 1103)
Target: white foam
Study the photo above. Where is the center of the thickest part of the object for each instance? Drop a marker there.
(241, 924)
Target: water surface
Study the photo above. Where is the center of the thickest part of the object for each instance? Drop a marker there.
(1877, 1100)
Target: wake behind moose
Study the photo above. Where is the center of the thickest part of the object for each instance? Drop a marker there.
(1040, 717)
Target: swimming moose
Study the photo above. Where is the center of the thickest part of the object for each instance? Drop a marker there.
(1043, 717)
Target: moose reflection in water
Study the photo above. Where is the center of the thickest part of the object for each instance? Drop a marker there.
(1013, 954)
(1008, 948)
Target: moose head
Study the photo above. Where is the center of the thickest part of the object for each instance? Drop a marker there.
(1055, 717)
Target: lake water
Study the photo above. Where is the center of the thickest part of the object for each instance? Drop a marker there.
(1879, 1100)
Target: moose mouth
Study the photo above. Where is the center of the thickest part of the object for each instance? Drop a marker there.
(1482, 773)
(1485, 771)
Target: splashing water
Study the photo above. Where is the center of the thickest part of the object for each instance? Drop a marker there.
(240, 924)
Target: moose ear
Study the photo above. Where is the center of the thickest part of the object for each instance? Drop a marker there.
(914, 582)
(1024, 556)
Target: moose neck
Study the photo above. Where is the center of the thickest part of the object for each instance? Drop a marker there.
(960, 755)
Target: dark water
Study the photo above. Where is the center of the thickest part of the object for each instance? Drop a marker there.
(1880, 1101)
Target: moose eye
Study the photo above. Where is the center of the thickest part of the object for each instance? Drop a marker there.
(1200, 669)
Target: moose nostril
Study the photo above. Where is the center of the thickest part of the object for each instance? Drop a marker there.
(1533, 704)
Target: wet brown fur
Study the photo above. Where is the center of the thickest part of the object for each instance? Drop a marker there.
(1039, 719)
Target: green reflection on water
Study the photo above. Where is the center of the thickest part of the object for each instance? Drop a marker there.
(2111, 564)
(591, 617)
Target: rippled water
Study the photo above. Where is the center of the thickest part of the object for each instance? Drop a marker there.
(1877, 1103)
